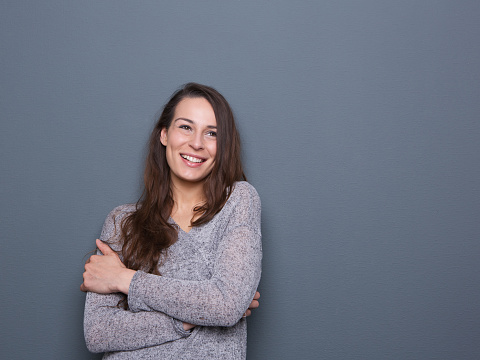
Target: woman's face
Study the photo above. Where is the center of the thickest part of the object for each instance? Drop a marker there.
(191, 140)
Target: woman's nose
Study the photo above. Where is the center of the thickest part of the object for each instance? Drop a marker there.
(197, 141)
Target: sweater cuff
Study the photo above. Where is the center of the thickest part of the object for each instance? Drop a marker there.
(136, 293)
(178, 326)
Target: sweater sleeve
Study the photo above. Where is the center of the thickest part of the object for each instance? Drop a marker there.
(224, 298)
(109, 328)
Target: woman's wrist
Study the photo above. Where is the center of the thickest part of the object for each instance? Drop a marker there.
(124, 280)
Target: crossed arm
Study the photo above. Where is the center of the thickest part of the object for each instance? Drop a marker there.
(109, 328)
(108, 275)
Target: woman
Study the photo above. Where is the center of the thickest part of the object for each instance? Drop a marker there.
(189, 252)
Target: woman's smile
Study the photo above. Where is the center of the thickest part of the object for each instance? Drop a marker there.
(192, 159)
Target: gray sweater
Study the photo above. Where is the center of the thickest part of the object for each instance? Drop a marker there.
(208, 279)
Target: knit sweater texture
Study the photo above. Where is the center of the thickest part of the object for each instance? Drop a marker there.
(209, 278)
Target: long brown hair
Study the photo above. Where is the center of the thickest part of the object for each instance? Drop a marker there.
(147, 232)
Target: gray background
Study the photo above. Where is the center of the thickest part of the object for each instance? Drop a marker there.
(360, 126)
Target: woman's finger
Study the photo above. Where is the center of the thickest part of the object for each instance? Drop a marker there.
(104, 248)
(254, 304)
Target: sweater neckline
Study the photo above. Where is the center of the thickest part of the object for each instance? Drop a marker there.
(180, 230)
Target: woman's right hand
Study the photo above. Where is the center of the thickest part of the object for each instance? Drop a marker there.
(106, 274)
(253, 305)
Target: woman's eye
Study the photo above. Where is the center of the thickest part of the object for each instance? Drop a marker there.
(212, 133)
(185, 127)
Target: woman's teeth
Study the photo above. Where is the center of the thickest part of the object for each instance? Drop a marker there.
(192, 159)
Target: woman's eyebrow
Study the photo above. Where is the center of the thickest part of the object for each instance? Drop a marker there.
(185, 119)
(193, 122)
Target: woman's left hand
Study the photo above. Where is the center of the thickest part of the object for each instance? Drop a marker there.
(106, 274)
(253, 305)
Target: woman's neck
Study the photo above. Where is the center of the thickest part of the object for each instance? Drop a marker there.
(186, 196)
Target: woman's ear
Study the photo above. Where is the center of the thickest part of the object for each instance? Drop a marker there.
(163, 136)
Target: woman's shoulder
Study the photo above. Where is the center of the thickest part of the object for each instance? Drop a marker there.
(111, 227)
(243, 207)
(244, 192)
(244, 187)
(121, 211)
(124, 208)
(115, 216)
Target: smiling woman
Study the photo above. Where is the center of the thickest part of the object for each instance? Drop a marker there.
(191, 303)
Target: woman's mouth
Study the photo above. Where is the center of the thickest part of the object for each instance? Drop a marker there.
(192, 158)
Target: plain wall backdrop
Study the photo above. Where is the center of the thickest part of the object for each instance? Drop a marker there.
(360, 123)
